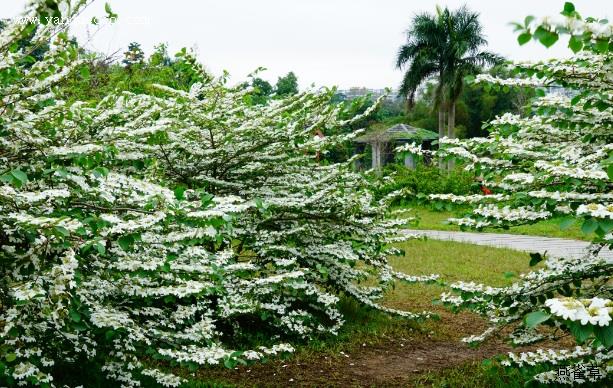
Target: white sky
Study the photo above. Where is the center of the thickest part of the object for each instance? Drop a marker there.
(325, 42)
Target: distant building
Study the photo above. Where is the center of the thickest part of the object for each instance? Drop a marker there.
(355, 92)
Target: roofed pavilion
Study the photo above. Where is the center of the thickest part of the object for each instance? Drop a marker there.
(383, 141)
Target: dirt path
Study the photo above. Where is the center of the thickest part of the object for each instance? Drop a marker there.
(394, 364)
(386, 364)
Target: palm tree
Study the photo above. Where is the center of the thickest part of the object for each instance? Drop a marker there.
(446, 46)
(465, 38)
(424, 52)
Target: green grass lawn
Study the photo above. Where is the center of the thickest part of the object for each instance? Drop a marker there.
(436, 220)
(326, 361)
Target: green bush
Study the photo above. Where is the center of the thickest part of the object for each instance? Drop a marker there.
(425, 180)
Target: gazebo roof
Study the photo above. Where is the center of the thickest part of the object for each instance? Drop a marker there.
(395, 133)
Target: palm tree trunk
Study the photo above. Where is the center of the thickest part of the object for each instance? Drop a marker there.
(441, 130)
(451, 129)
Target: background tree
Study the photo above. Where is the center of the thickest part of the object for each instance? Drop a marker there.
(134, 55)
(475, 106)
(288, 85)
(446, 45)
(423, 53)
(465, 40)
(160, 56)
(105, 76)
(263, 90)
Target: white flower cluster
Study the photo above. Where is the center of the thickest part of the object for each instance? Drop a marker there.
(594, 311)
(596, 210)
(474, 198)
(412, 148)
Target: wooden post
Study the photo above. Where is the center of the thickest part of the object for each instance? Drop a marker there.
(376, 156)
(409, 162)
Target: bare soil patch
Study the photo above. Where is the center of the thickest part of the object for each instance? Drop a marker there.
(388, 363)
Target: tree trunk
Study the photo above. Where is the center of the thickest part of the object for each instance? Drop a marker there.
(451, 129)
(441, 130)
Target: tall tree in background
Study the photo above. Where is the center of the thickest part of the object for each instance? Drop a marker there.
(134, 55)
(262, 90)
(464, 42)
(288, 85)
(424, 54)
(445, 45)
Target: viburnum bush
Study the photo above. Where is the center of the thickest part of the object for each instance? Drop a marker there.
(556, 161)
(194, 228)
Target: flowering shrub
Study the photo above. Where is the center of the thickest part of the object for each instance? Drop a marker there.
(557, 161)
(189, 227)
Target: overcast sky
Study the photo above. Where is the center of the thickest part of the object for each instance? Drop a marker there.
(325, 42)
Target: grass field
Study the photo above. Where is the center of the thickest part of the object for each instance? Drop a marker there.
(436, 220)
(374, 349)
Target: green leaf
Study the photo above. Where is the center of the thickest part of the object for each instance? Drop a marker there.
(575, 43)
(518, 26)
(580, 332)
(63, 231)
(10, 357)
(528, 20)
(100, 248)
(575, 99)
(101, 171)
(536, 318)
(602, 45)
(206, 199)
(550, 39)
(165, 267)
(589, 226)
(606, 224)
(179, 192)
(610, 171)
(605, 335)
(524, 38)
(569, 8)
(546, 37)
(20, 176)
(109, 12)
(84, 72)
(230, 363)
(125, 242)
(109, 335)
(75, 316)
